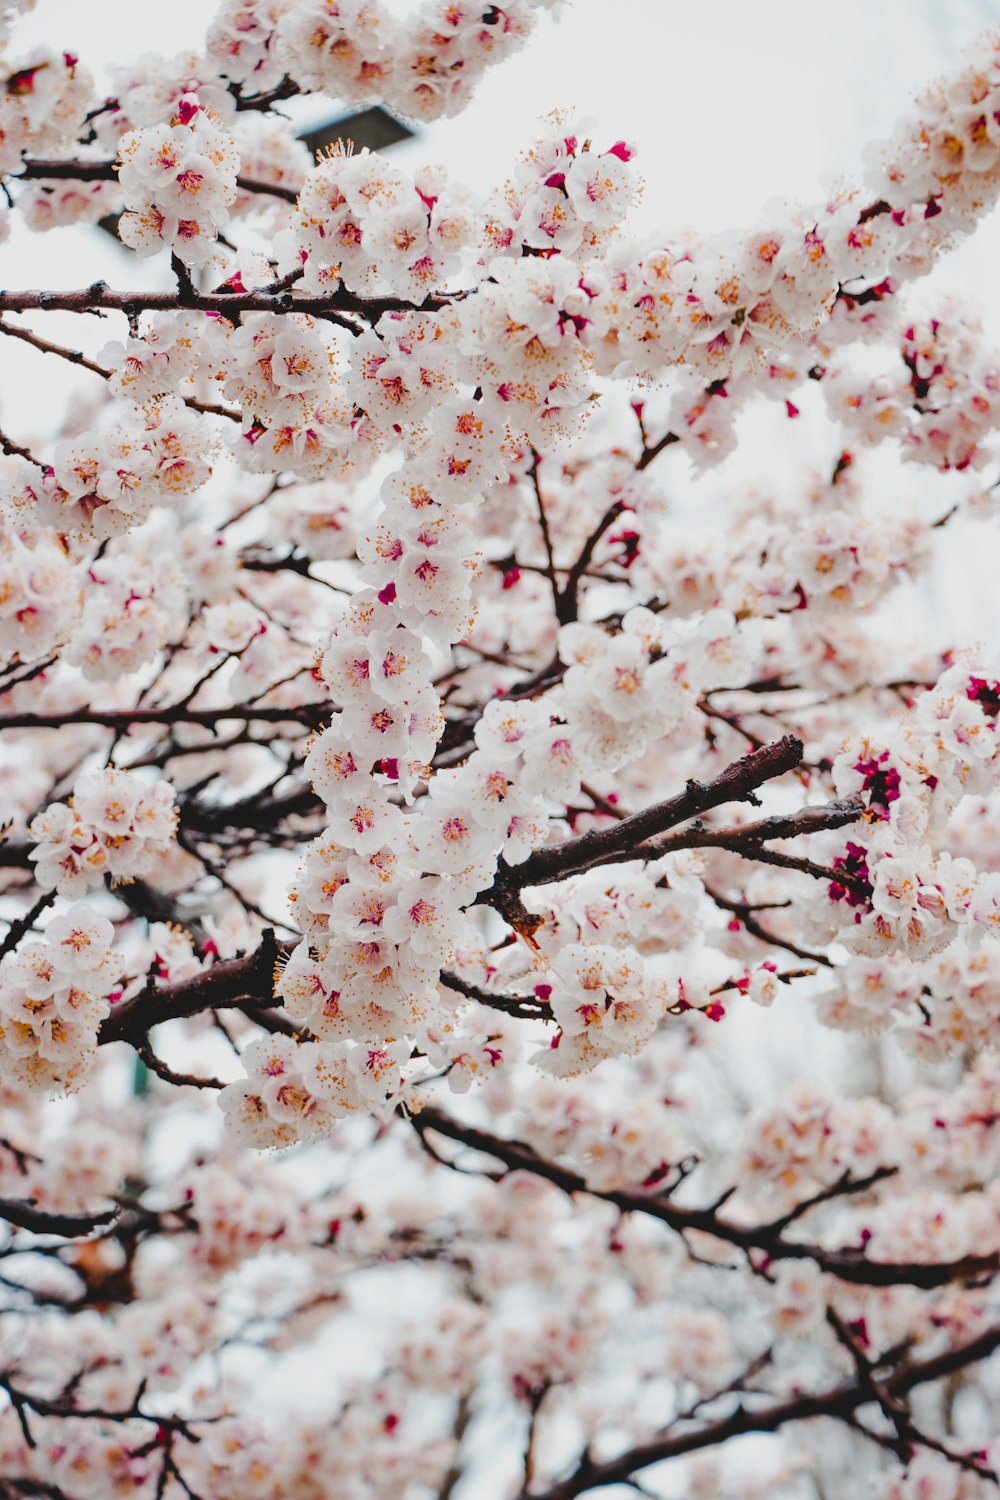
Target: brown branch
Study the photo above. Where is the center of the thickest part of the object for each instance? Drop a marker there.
(18, 1487)
(290, 562)
(737, 783)
(46, 1407)
(525, 1007)
(651, 451)
(745, 911)
(75, 357)
(804, 866)
(156, 1065)
(543, 522)
(152, 905)
(257, 812)
(747, 837)
(460, 1425)
(286, 89)
(567, 599)
(268, 189)
(56, 171)
(247, 981)
(16, 450)
(14, 854)
(171, 713)
(894, 1408)
(17, 930)
(836, 1401)
(848, 1264)
(99, 297)
(107, 171)
(23, 1213)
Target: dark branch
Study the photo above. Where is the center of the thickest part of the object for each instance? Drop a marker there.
(836, 1401)
(765, 1239)
(736, 783)
(107, 171)
(100, 297)
(231, 983)
(171, 713)
(23, 1213)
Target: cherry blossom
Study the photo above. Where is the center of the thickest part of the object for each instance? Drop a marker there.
(499, 880)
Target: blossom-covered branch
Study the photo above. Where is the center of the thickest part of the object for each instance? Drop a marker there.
(840, 1400)
(767, 1239)
(737, 783)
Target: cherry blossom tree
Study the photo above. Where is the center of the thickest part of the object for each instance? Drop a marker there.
(500, 958)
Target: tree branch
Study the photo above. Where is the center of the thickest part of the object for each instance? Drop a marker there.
(567, 598)
(228, 984)
(17, 930)
(171, 713)
(23, 1213)
(99, 297)
(75, 357)
(746, 839)
(836, 1401)
(848, 1264)
(107, 171)
(737, 783)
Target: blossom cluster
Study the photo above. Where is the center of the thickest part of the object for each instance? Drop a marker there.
(946, 154)
(39, 597)
(51, 204)
(425, 67)
(104, 482)
(43, 98)
(943, 408)
(53, 996)
(114, 823)
(623, 692)
(564, 197)
(363, 223)
(939, 1145)
(178, 181)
